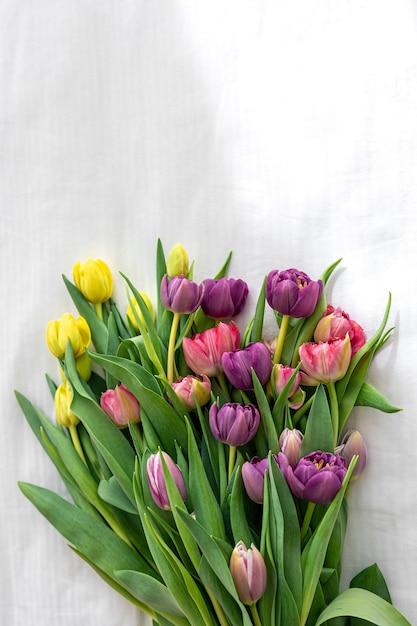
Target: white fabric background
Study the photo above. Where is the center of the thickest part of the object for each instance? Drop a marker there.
(284, 131)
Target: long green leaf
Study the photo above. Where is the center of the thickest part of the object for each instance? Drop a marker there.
(365, 605)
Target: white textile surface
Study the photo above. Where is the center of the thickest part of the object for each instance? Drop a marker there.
(285, 131)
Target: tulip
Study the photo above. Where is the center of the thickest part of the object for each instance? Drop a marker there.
(238, 365)
(335, 323)
(281, 374)
(351, 445)
(177, 261)
(327, 361)
(203, 353)
(63, 399)
(224, 298)
(59, 332)
(292, 292)
(253, 476)
(121, 406)
(248, 570)
(317, 477)
(133, 310)
(94, 279)
(191, 389)
(180, 295)
(234, 424)
(290, 443)
(156, 479)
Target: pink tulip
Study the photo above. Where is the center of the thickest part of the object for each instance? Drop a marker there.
(335, 323)
(203, 353)
(327, 361)
(190, 388)
(290, 443)
(120, 405)
(249, 574)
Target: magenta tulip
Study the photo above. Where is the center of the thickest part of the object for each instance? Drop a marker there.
(317, 477)
(292, 292)
(180, 295)
(224, 298)
(253, 476)
(203, 353)
(238, 365)
(234, 424)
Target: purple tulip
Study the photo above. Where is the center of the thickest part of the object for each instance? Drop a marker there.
(354, 444)
(180, 295)
(317, 477)
(237, 365)
(249, 574)
(224, 298)
(156, 479)
(292, 292)
(253, 475)
(234, 424)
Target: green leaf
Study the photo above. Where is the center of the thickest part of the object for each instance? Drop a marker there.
(371, 579)
(319, 431)
(153, 593)
(258, 320)
(369, 396)
(91, 537)
(238, 517)
(365, 605)
(111, 492)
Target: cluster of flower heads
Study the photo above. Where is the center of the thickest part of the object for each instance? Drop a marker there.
(217, 353)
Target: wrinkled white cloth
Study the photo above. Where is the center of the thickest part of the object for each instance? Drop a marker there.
(284, 131)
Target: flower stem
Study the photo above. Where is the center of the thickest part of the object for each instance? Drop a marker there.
(307, 519)
(281, 337)
(76, 443)
(98, 307)
(218, 609)
(255, 615)
(299, 414)
(334, 411)
(171, 346)
(232, 460)
(223, 385)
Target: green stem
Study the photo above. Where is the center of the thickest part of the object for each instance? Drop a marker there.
(112, 522)
(76, 443)
(232, 460)
(281, 337)
(307, 519)
(299, 414)
(255, 615)
(139, 435)
(218, 609)
(223, 385)
(334, 411)
(171, 346)
(99, 310)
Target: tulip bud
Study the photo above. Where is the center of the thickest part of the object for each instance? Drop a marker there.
(121, 406)
(94, 279)
(203, 353)
(224, 298)
(292, 292)
(253, 476)
(63, 399)
(234, 424)
(281, 374)
(180, 295)
(156, 479)
(290, 443)
(351, 445)
(190, 388)
(248, 570)
(133, 310)
(58, 332)
(177, 261)
(238, 365)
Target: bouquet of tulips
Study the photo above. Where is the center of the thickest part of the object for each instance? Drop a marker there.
(208, 466)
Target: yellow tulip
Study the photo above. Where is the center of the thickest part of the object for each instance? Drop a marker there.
(94, 279)
(177, 261)
(58, 332)
(63, 399)
(133, 310)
